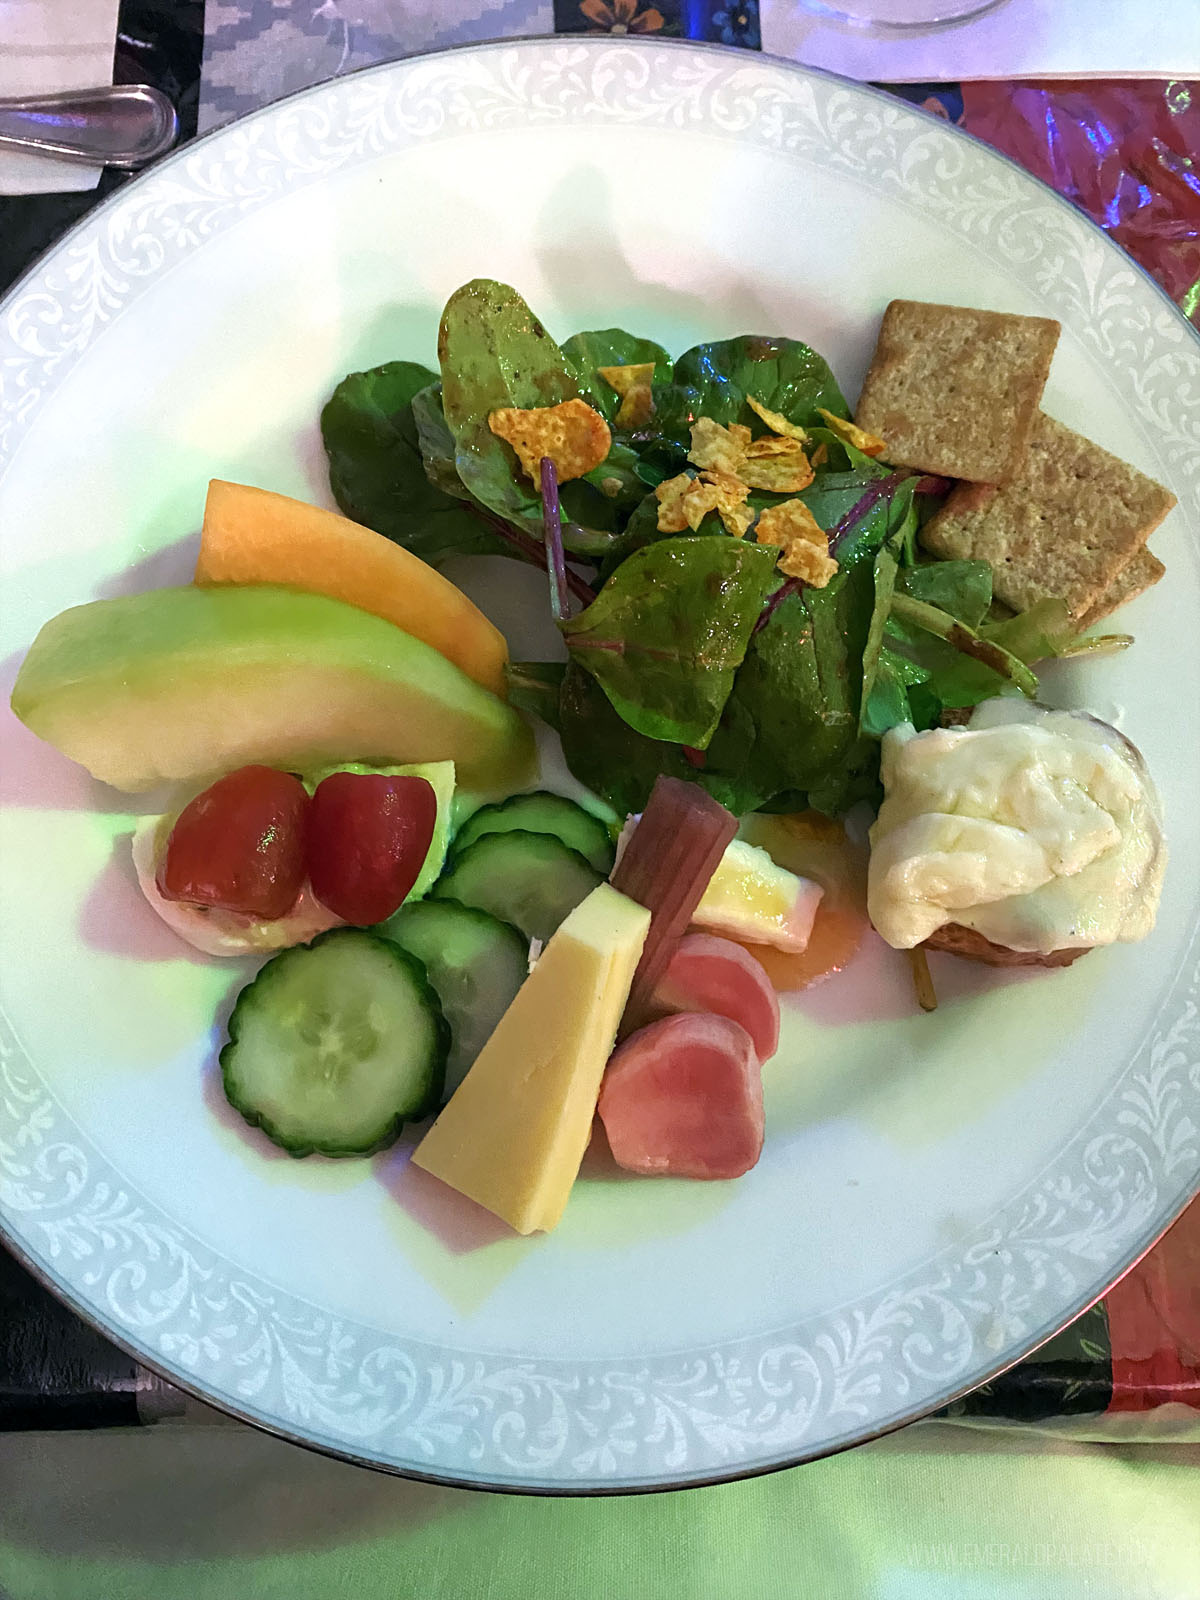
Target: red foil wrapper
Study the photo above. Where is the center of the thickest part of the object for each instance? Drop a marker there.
(1154, 1324)
(1125, 152)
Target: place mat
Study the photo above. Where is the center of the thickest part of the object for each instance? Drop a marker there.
(1123, 152)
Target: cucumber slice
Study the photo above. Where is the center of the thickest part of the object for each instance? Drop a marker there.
(542, 812)
(529, 879)
(476, 964)
(440, 776)
(335, 1045)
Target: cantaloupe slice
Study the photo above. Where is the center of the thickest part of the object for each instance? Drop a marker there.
(256, 536)
(177, 685)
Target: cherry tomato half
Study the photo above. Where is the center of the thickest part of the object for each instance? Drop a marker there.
(368, 837)
(240, 846)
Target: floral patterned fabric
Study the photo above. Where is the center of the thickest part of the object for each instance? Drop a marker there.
(715, 20)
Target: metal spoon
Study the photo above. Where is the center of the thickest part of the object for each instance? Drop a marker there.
(119, 125)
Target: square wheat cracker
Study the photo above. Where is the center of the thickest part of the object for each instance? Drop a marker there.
(955, 391)
(1067, 527)
(1140, 574)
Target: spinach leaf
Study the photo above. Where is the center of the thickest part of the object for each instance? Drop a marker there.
(802, 683)
(785, 375)
(961, 588)
(604, 497)
(796, 686)
(789, 733)
(968, 641)
(495, 353)
(603, 751)
(806, 671)
(829, 497)
(642, 529)
(841, 456)
(668, 631)
(376, 470)
(946, 679)
(1039, 634)
(832, 494)
(888, 673)
(668, 437)
(935, 675)
(883, 701)
(1042, 633)
(436, 442)
(620, 765)
(891, 517)
(611, 347)
(878, 707)
(536, 687)
(842, 788)
(889, 700)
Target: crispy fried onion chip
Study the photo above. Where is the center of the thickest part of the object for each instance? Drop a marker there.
(573, 435)
(772, 462)
(632, 383)
(778, 465)
(718, 449)
(850, 433)
(685, 501)
(805, 547)
(776, 421)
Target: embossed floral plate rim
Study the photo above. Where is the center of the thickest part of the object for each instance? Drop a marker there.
(596, 1426)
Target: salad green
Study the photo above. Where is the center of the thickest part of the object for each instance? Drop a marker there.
(690, 653)
(783, 374)
(384, 464)
(495, 353)
(612, 347)
(668, 631)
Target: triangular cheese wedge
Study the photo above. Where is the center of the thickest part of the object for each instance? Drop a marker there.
(514, 1133)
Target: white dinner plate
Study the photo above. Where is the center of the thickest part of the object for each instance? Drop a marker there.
(937, 1194)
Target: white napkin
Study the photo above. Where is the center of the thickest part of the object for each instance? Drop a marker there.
(45, 46)
(1020, 39)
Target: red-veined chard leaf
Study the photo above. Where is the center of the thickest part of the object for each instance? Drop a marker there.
(669, 629)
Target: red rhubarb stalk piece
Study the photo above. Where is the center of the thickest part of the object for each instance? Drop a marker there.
(666, 866)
